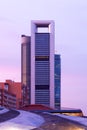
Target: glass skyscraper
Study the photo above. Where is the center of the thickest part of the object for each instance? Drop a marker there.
(57, 81)
(38, 84)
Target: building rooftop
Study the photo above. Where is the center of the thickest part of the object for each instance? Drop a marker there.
(35, 107)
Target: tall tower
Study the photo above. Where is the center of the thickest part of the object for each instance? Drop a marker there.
(42, 63)
(57, 81)
(38, 64)
(26, 68)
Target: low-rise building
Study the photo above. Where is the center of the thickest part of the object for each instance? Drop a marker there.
(10, 94)
(7, 99)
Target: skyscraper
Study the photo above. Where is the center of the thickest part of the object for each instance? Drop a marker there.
(57, 81)
(26, 69)
(38, 64)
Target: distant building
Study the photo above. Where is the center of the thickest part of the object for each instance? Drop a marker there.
(7, 99)
(26, 68)
(57, 81)
(10, 94)
(38, 64)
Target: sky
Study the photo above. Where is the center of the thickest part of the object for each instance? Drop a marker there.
(70, 18)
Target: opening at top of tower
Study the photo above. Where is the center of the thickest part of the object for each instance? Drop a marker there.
(42, 29)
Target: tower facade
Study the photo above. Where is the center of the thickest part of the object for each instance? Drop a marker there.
(42, 63)
(26, 69)
(38, 64)
(57, 81)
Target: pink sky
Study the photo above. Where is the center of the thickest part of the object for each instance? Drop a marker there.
(70, 41)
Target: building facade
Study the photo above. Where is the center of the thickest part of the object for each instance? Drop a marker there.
(38, 64)
(57, 81)
(26, 68)
(7, 99)
(10, 94)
